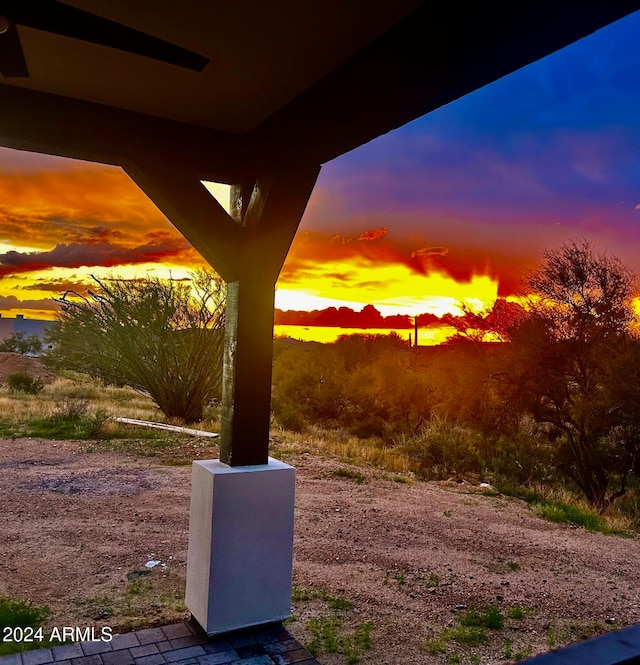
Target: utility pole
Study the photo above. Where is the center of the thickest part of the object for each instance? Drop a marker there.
(414, 359)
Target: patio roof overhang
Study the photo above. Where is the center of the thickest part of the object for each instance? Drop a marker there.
(289, 86)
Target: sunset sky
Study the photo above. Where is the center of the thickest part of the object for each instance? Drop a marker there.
(451, 208)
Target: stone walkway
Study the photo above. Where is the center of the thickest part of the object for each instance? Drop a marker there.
(178, 644)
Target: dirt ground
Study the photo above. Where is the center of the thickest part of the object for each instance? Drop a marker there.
(10, 363)
(78, 526)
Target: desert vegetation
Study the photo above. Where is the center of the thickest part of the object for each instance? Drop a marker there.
(162, 337)
(547, 415)
(539, 400)
(550, 411)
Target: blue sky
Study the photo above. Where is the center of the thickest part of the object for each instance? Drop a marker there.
(548, 154)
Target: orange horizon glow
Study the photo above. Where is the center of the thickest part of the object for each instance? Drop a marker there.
(370, 268)
(58, 228)
(427, 336)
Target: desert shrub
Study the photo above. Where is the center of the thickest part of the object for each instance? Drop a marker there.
(95, 422)
(361, 382)
(164, 338)
(70, 409)
(18, 342)
(441, 450)
(366, 348)
(309, 380)
(370, 427)
(410, 399)
(291, 419)
(21, 382)
(522, 458)
(387, 391)
(628, 507)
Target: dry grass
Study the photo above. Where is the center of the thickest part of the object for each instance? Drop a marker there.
(337, 443)
(622, 517)
(73, 388)
(81, 391)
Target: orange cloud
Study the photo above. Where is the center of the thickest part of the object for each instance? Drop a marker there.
(57, 286)
(87, 204)
(424, 252)
(373, 235)
(60, 217)
(395, 279)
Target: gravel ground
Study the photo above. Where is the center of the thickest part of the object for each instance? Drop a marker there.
(411, 558)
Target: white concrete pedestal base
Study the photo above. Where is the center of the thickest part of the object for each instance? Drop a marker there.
(240, 544)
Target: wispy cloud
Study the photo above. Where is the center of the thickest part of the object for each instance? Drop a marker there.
(376, 234)
(11, 302)
(76, 255)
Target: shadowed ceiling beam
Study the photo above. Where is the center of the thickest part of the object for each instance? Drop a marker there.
(55, 125)
(437, 54)
(183, 199)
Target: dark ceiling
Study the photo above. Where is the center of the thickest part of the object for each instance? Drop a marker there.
(310, 80)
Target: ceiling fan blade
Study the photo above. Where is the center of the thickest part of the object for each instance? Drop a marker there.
(12, 62)
(62, 19)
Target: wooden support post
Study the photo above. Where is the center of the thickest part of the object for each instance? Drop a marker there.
(269, 217)
(248, 249)
(246, 382)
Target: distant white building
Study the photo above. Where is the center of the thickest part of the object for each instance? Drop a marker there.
(20, 324)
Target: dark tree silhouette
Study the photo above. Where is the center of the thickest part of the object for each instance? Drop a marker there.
(491, 325)
(18, 342)
(565, 363)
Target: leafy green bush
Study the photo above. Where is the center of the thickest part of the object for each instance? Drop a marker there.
(21, 382)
